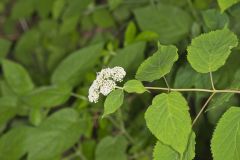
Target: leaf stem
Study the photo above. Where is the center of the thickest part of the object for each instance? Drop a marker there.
(211, 78)
(204, 106)
(169, 89)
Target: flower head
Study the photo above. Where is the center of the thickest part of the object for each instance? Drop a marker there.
(105, 82)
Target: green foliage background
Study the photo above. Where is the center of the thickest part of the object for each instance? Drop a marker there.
(50, 51)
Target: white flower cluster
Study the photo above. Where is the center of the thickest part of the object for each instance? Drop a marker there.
(105, 82)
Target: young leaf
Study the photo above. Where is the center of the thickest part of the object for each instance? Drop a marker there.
(111, 148)
(55, 135)
(209, 51)
(12, 144)
(158, 65)
(17, 77)
(168, 119)
(72, 68)
(113, 101)
(134, 86)
(225, 143)
(164, 152)
(171, 23)
(130, 33)
(225, 4)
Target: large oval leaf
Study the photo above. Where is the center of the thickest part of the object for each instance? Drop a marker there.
(209, 51)
(55, 135)
(171, 23)
(17, 77)
(168, 119)
(76, 64)
(159, 64)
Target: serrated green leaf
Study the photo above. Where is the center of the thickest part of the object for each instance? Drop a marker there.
(55, 135)
(134, 86)
(225, 4)
(158, 65)
(168, 118)
(17, 77)
(189, 153)
(171, 23)
(209, 51)
(225, 143)
(12, 144)
(48, 96)
(164, 152)
(72, 68)
(111, 148)
(113, 101)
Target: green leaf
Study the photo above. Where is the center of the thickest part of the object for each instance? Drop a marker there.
(113, 101)
(22, 9)
(8, 108)
(169, 22)
(164, 152)
(72, 68)
(129, 57)
(168, 118)
(130, 33)
(26, 46)
(17, 77)
(158, 65)
(147, 36)
(134, 86)
(57, 8)
(55, 135)
(102, 18)
(48, 96)
(189, 153)
(225, 4)
(114, 3)
(209, 51)
(225, 143)
(12, 144)
(214, 20)
(4, 48)
(111, 147)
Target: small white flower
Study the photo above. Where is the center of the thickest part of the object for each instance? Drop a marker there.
(105, 82)
(107, 87)
(118, 74)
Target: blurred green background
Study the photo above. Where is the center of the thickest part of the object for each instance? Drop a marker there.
(50, 51)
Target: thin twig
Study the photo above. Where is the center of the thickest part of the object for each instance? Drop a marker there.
(204, 106)
(79, 96)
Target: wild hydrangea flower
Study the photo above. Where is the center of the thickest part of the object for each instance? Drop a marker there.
(105, 82)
